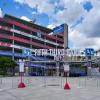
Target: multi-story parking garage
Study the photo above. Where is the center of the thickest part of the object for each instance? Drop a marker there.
(17, 35)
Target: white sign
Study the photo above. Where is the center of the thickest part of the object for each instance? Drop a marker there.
(21, 66)
(66, 67)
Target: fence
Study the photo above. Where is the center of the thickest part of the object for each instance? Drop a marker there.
(80, 82)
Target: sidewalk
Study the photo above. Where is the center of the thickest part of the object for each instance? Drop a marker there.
(52, 89)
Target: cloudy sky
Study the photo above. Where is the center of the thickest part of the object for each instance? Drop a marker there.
(82, 17)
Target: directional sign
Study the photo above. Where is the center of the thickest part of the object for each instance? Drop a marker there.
(58, 29)
(26, 52)
(89, 51)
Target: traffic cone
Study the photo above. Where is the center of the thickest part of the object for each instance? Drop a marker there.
(21, 85)
(66, 87)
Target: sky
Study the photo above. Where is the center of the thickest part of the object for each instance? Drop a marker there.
(82, 17)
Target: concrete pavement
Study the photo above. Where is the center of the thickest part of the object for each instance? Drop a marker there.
(48, 88)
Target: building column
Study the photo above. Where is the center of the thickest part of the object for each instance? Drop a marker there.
(13, 42)
(57, 62)
(45, 57)
(57, 68)
(27, 68)
(65, 36)
(66, 44)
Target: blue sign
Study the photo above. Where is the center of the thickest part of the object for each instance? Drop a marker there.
(59, 29)
(26, 52)
(89, 51)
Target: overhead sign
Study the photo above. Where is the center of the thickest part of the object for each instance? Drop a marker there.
(58, 29)
(89, 51)
(56, 52)
(26, 52)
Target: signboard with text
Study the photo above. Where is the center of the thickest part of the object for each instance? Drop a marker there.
(89, 51)
(56, 52)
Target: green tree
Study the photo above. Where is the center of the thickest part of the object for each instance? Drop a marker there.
(5, 64)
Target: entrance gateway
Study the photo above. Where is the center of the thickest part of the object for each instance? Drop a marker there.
(59, 56)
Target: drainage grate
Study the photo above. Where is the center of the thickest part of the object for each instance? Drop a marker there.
(53, 85)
